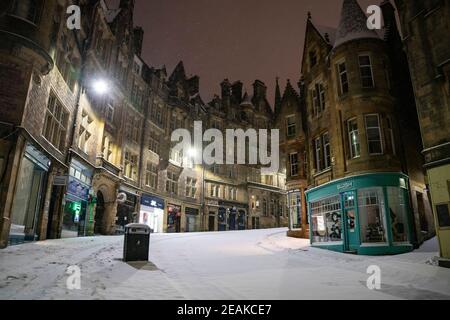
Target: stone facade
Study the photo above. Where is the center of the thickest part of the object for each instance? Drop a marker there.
(90, 157)
(425, 27)
(359, 107)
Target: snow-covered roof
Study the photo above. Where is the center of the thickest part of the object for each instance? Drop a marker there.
(353, 24)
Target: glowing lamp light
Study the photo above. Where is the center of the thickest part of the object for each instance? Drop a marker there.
(192, 153)
(100, 86)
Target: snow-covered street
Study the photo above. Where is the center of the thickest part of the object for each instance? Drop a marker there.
(260, 264)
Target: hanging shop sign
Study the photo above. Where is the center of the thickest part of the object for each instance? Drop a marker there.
(60, 181)
(78, 189)
(152, 201)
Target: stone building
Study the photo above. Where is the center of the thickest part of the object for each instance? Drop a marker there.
(425, 28)
(290, 119)
(85, 133)
(367, 190)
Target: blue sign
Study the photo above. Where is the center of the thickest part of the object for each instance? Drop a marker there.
(78, 189)
(152, 201)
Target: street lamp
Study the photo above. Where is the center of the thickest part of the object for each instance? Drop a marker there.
(193, 154)
(100, 86)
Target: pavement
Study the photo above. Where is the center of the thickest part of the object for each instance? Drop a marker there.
(241, 265)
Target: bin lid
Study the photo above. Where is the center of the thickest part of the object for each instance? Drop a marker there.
(137, 226)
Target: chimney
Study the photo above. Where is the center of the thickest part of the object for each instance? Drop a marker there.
(259, 90)
(226, 88)
(138, 39)
(236, 91)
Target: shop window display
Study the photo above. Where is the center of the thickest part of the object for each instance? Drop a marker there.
(397, 214)
(326, 218)
(371, 215)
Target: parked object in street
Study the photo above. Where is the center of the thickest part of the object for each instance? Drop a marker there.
(137, 242)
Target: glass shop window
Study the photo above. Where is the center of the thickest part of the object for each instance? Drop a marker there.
(326, 218)
(372, 215)
(397, 214)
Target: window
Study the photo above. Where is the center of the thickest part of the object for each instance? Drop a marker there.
(130, 165)
(84, 132)
(326, 219)
(397, 214)
(371, 215)
(176, 156)
(326, 150)
(322, 152)
(318, 98)
(293, 160)
(232, 193)
(365, 68)
(27, 9)
(391, 136)
(109, 111)
(216, 191)
(374, 141)
(318, 153)
(107, 149)
(154, 142)
(353, 138)
(191, 188)
(343, 79)
(56, 120)
(151, 175)
(295, 210)
(291, 126)
(136, 129)
(172, 183)
(265, 207)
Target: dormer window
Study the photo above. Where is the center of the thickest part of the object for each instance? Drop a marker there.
(29, 10)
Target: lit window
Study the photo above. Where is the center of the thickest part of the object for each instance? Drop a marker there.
(353, 136)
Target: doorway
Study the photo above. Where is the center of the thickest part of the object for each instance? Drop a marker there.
(27, 203)
(351, 237)
(212, 222)
(99, 213)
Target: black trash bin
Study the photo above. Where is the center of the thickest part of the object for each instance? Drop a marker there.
(137, 242)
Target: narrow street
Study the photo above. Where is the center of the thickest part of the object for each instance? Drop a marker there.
(261, 264)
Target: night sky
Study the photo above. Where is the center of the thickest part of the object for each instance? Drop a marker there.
(235, 39)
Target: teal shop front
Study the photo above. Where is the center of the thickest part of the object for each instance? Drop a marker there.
(367, 215)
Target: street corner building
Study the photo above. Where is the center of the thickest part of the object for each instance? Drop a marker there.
(367, 188)
(85, 127)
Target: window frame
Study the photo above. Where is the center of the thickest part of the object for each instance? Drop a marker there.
(369, 66)
(380, 132)
(350, 138)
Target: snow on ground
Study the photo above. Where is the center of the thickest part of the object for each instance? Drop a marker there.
(259, 264)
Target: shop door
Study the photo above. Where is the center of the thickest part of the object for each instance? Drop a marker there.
(212, 223)
(232, 220)
(351, 234)
(241, 220)
(222, 219)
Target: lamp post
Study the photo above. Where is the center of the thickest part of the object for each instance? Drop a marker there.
(193, 153)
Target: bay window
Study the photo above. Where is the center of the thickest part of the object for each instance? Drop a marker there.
(373, 130)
